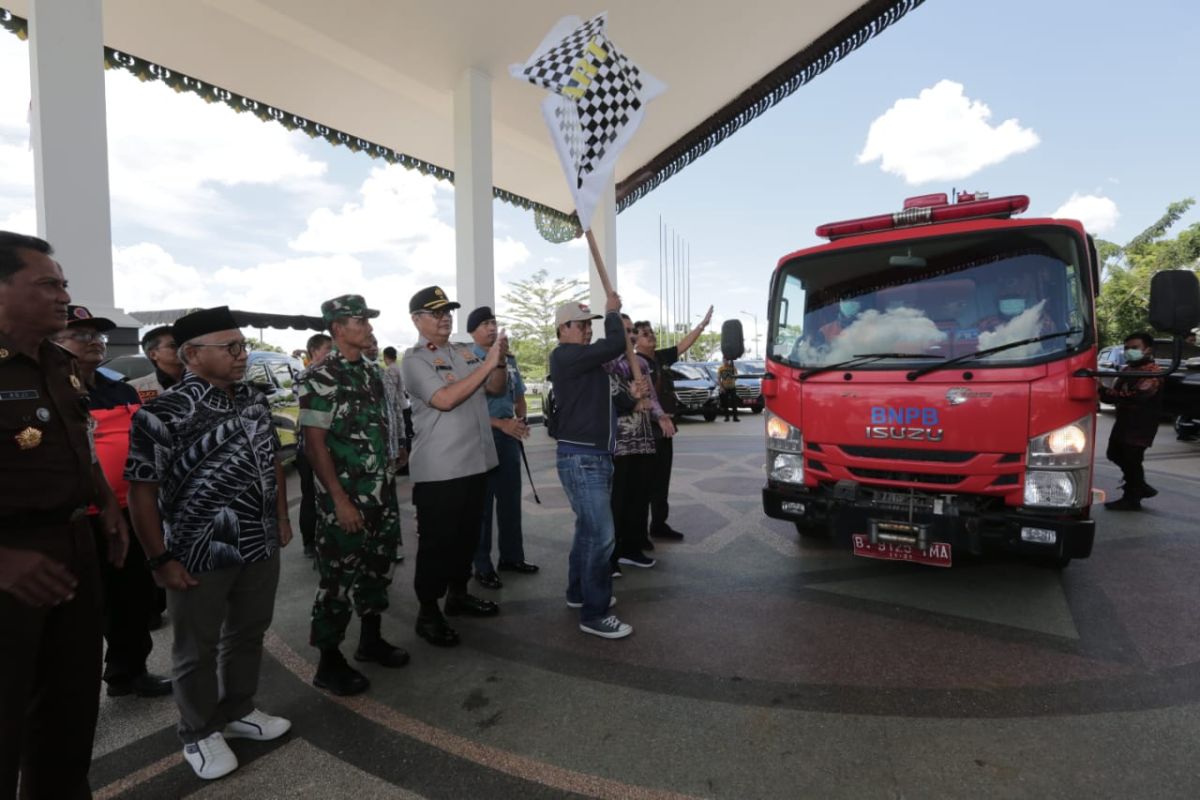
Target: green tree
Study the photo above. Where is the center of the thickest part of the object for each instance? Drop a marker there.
(1123, 304)
(530, 318)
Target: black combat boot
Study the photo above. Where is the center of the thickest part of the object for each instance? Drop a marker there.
(373, 647)
(338, 677)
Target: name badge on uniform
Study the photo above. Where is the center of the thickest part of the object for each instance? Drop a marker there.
(20, 394)
(29, 438)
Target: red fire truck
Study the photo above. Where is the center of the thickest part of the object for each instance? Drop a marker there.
(929, 389)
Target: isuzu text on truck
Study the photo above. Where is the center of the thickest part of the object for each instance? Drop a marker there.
(931, 387)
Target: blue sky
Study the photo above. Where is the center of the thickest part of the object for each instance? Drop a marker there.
(1087, 107)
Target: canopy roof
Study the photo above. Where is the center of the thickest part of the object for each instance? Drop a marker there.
(379, 75)
(244, 319)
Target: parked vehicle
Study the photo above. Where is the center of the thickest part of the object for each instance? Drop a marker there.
(930, 381)
(749, 382)
(274, 374)
(695, 390)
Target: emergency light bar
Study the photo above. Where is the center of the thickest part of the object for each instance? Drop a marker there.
(929, 209)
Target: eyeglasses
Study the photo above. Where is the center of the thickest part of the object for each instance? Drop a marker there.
(234, 349)
(441, 313)
(86, 337)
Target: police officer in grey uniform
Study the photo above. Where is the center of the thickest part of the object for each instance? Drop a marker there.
(451, 454)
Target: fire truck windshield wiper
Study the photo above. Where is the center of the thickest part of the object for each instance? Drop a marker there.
(916, 373)
(860, 359)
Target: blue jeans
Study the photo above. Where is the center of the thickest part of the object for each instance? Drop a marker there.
(587, 480)
(504, 488)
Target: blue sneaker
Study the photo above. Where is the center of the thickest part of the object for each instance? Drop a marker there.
(608, 628)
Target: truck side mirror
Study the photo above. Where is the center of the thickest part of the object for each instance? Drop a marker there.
(732, 346)
(1174, 301)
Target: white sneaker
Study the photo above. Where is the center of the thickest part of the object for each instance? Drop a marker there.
(258, 726)
(608, 628)
(612, 601)
(210, 757)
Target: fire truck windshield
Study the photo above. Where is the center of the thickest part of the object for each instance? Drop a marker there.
(946, 297)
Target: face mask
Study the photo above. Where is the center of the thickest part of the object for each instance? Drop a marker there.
(849, 307)
(1134, 354)
(1011, 306)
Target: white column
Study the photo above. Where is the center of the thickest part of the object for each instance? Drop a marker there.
(70, 146)
(604, 227)
(476, 284)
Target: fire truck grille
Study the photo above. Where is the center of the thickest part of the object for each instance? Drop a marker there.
(907, 477)
(908, 454)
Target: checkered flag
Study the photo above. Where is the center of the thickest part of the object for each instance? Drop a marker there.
(597, 103)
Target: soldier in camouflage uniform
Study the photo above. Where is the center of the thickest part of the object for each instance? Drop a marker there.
(358, 521)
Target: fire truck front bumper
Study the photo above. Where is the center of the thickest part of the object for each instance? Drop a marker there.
(847, 512)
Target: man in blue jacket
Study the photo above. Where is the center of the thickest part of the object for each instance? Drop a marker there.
(585, 427)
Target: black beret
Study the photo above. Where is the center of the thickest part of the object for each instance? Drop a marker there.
(202, 322)
(154, 333)
(478, 317)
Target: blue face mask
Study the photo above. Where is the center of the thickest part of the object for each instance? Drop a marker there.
(849, 307)
(1134, 354)
(1011, 306)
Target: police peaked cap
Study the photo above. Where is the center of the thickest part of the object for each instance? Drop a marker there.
(431, 298)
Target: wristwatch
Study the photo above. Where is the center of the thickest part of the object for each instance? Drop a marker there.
(160, 559)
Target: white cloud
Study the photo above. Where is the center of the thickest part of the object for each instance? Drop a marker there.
(171, 155)
(397, 215)
(941, 135)
(21, 221)
(1098, 214)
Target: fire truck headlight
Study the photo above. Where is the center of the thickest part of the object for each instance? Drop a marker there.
(1046, 488)
(1068, 446)
(781, 435)
(787, 468)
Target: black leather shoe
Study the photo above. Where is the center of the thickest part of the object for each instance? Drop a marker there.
(310, 551)
(489, 580)
(666, 532)
(144, 685)
(435, 631)
(471, 606)
(1126, 503)
(517, 566)
(338, 677)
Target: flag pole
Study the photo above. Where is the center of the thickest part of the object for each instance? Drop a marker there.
(634, 365)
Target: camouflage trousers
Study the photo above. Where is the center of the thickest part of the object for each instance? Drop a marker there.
(353, 567)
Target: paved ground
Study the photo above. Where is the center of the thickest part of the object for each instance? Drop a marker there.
(761, 667)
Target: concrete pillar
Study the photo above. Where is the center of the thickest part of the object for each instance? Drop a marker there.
(70, 147)
(604, 227)
(476, 280)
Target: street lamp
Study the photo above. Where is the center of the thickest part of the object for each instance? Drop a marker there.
(755, 318)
